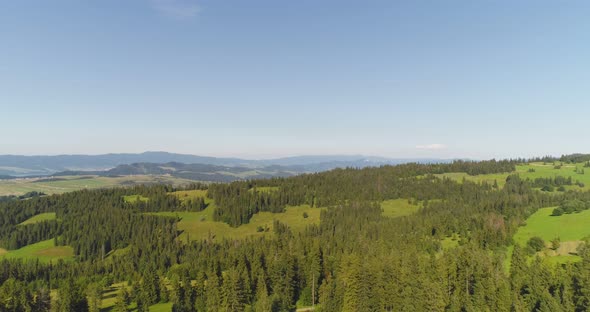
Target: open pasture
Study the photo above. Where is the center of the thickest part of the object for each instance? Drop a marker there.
(265, 189)
(569, 228)
(398, 207)
(47, 216)
(45, 251)
(74, 183)
(532, 171)
(191, 194)
(200, 225)
(135, 198)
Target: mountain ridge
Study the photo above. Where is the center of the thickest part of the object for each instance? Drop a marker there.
(39, 165)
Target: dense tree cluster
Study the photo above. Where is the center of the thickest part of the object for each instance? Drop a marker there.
(570, 159)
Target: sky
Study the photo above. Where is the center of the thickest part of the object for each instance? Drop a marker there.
(263, 79)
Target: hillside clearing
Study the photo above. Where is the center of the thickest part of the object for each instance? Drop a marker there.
(73, 183)
(45, 251)
(530, 171)
(569, 228)
(200, 225)
(135, 198)
(398, 207)
(47, 216)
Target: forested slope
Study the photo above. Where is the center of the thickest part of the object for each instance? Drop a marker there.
(354, 260)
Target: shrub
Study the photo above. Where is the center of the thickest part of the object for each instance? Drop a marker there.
(555, 243)
(557, 212)
(536, 243)
(574, 205)
(547, 188)
(561, 189)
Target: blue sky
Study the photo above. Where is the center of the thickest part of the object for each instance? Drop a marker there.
(260, 79)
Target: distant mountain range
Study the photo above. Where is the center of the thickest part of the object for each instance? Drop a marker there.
(185, 166)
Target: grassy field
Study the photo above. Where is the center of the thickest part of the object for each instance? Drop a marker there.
(570, 228)
(45, 251)
(109, 299)
(73, 183)
(450, 242)
(109, 296)
(265, 189)
(398, 207)
(186, 195)
(540, 171)
(39, 218)
(206, 214)
(200, 225)
(135, 198)
(161, 307)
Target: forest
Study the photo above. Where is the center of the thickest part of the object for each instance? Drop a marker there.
(355, 259)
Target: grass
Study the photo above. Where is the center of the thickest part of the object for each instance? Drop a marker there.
(398, 207)
(570, 228)
(161, 307)
(109, 295)
(73, 183)
(200, 225)
(540, 171)
(265, 189)
(186, 195)
(450, 242)
(45, 251)
(109, 299)
(135, 198)
(39, 218)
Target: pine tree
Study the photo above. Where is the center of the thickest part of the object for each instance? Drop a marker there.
(122, 301)
(212, 292)
(94, 294)
(151, 287)
(518, 272)
(42, 300)
(234, 298)
(71, 298)
(263, 302)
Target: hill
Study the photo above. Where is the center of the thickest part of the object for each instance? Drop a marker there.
(21, 166)
(197, 172)
(390, 238)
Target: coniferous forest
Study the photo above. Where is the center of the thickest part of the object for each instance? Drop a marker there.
(355, 259)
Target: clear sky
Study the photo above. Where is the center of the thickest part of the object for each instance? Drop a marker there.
(261, 79)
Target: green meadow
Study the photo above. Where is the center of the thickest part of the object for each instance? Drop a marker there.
(265, 189)
(531, 171)
(39, 218)
(45, 251)
(571, 229)
(568, 227)
(200, 225)
(74, 183)
(191, 194)
(398, 207)
(135, 198)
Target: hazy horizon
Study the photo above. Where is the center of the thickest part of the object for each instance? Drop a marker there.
(262, 79)
(253, 158)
